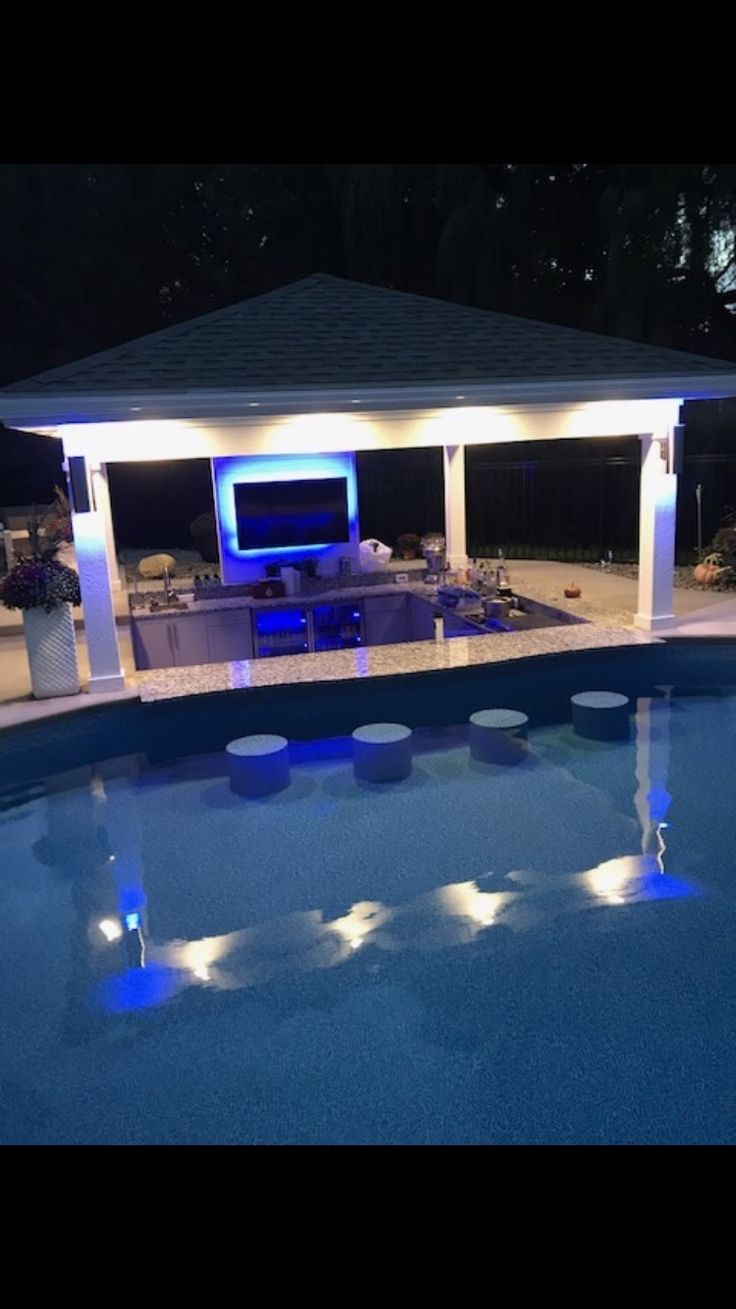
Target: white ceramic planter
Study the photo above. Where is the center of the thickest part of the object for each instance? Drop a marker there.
(52, 651)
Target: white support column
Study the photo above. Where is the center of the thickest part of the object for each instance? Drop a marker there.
(90, 541)
(658, 501)
(454, 469)
(101, 494)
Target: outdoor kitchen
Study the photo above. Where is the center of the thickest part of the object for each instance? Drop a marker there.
(293, 611)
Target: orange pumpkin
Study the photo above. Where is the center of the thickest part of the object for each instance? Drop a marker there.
(572, 592)
(706, 573)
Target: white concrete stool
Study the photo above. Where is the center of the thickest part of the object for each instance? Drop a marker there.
(498, 736)
(258, 765)
(382, 752)
(600, 715)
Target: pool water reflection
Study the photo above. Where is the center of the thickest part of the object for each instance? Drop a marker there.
(553, 960)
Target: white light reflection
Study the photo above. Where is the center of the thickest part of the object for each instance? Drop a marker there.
(303, 942)
(466, 900)
(364, 918)
(111, 929)
(614, 880)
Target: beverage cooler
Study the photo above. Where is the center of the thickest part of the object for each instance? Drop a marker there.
(295, 631)
(336, 627)
(280, 632)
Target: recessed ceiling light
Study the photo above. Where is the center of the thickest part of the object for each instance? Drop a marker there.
(254, 404)
(135, 409)
(355, 402)
(459, 397)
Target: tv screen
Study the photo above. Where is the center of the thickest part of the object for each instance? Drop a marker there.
(270, 515)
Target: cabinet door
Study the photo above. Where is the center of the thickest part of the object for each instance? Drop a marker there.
(152, 643)
(421, 619)
(229, 636)
(189, 637)
(386, 620)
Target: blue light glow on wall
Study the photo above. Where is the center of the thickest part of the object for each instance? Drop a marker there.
(245, 565)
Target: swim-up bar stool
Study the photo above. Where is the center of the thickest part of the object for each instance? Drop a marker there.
(600, 715)
(498, 736)
(258, 765)
(382, 752)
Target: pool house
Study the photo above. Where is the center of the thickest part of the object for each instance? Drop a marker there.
(286, 387)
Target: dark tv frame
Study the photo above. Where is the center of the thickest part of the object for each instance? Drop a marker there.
(249, 548)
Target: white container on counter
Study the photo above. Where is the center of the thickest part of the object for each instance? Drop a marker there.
(291, 578)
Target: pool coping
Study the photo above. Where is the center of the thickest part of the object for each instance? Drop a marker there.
(374, 663)
(83, 704)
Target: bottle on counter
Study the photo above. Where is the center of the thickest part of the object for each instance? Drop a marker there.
(439, 626)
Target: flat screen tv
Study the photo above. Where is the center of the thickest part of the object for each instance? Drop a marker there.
(272, 515)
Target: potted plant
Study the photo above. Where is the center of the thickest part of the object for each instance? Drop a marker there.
(408, 546)
(44, 590)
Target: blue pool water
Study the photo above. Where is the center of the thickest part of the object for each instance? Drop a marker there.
(475, 955)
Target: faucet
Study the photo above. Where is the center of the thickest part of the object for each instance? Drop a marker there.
(169, 593)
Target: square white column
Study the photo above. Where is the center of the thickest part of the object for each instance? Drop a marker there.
(90, 541)
(658, 506)
(101, 496)
(455, 531)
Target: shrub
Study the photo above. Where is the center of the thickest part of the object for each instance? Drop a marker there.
(204, 534)
(408, 543)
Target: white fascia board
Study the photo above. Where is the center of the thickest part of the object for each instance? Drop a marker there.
(33, 411)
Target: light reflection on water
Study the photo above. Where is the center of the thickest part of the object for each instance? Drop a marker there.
(448, 916)
(142, 972)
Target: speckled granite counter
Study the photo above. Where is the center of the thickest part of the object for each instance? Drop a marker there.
(382, 660)
(343, 595)
(591, 610)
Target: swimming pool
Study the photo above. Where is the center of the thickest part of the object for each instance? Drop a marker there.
(475, 955)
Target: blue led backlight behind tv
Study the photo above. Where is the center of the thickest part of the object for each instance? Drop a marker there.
(274, 515)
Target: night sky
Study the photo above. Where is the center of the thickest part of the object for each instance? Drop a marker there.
(95, 255)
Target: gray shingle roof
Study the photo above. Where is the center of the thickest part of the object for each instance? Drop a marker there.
(325, 331)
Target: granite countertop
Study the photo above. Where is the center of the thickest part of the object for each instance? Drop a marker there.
(581, 608)
(383, 660)
(343, 595)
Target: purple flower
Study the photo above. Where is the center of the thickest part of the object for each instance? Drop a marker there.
(36, 583)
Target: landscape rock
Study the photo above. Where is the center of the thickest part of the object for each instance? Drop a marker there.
(155, 566)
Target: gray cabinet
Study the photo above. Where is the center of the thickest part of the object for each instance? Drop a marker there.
(189, 633)
(385, 619)
(229, 635)
(222, 635)
(421, 619)
(170, 642)
(152, 646)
